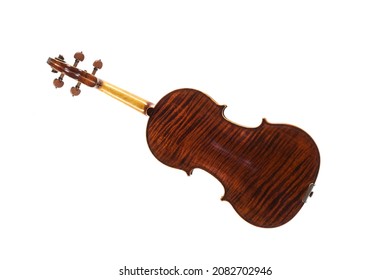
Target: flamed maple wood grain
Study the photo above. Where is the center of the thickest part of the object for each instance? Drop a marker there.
(266, 171)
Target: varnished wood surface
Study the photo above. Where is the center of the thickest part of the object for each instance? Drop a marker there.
(266, 171)
(137, 103)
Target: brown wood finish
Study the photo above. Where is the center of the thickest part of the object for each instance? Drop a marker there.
(267, 171)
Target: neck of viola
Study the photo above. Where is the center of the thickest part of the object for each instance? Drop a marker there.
(141, 105)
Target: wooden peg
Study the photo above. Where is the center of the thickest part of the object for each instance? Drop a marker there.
(98, 64)
(79, 56)
(58, 82)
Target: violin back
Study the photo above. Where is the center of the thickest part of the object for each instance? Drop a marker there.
(267, 171)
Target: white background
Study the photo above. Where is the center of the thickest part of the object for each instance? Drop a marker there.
(81, 195)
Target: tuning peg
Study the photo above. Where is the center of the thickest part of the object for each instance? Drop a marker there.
(58, 82)
(98, 64)
(75, 90)
(79, 56)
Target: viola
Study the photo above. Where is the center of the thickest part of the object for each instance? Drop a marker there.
(268, 172)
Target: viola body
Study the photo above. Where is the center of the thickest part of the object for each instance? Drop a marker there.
(267, 171)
